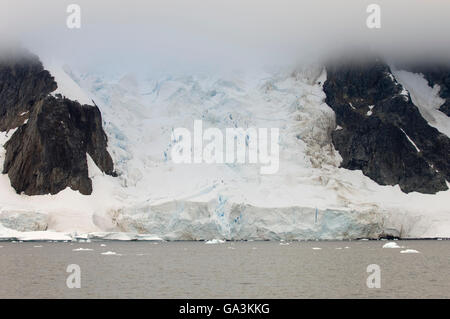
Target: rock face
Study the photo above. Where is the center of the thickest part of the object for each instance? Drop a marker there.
(48, 153)
(23, 81)
(381, 132)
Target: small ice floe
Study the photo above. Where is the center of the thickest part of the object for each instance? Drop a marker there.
(409, 251)
(346, 247)
(140, 254)
(82, 249)
(317, 248)
(83, 240)
(284, 244)
(338, 248)
(37, 246)
(214, 241)
(231, 247)
(102, 245)
(391, 245)
(111, 253)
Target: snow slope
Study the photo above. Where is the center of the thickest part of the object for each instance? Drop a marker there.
(426, 98)
(310, 197)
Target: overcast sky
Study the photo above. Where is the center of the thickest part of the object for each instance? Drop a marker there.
(204, 33)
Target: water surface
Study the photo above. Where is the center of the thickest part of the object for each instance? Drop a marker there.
(230, 270)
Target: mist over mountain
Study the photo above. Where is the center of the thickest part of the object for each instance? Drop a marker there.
(176, 35)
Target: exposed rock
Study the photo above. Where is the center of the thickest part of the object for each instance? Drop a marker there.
(383, 133)
(23, 81)
(47, 153)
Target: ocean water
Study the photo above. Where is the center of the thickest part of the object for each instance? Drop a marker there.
(229, 270)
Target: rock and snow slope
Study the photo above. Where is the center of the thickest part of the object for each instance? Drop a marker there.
(310, 197)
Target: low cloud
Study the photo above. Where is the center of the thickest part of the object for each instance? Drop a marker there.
(208, 33)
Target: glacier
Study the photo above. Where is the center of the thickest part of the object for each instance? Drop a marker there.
(309, 198)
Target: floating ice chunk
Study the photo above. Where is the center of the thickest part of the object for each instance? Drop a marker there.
(84, 240)
(284, 244)
(317, 248)
(82, 249)
(37, 246)
(409, 251)
(102, 245)
(391, 245)
(111, 253)
(214, 241)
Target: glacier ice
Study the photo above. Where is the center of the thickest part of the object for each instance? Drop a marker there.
(310, 197)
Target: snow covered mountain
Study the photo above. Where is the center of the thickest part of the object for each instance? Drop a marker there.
(318, 192)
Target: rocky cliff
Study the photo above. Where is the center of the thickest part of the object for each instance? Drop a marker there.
(48, 151)
(381, 132)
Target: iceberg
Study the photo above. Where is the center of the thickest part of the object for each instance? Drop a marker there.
(214, 241)
(391, 245)
(111, 253)
(409, 251)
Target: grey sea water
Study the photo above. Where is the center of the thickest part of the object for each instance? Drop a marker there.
(229, 270)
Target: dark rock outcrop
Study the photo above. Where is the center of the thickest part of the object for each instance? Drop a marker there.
(47, 153)
(382, 132)
(23, 82)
